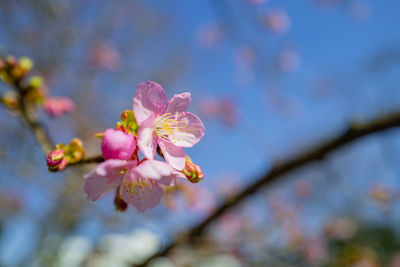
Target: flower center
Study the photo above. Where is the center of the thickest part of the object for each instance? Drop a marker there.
(138, 187)
(167, 125)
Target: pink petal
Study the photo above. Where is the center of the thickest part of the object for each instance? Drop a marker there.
(148, 100)
(57, 106)
(172, 180)
(141, 192)
(190, 132)
(174, 155)
(97, 187)
(178, 103)
(153, 169)
(117, 144)
(147, 140)
(110, 169)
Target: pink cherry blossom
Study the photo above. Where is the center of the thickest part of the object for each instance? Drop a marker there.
(167, 125)
(56, 107)
(139, 183)
(117, 145)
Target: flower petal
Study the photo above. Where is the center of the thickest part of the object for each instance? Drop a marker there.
(178, 103)
(96, 186)
(147, 140)
(153, 169)
(148, 100)
(140, 192)
(110, 169)
(174, 155)
(190, 130)
(172, 180)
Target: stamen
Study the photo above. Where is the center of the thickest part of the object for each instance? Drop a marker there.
(167, 125)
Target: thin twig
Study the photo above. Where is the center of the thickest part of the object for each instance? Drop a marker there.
(29, 117)
(353, 133)
(94, 159)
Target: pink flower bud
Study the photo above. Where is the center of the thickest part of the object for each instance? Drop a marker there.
(117, 145)
(56, 107)
(192, 171)
(12, 61)
(56, 161)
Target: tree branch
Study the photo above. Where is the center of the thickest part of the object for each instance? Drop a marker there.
(353, 133)
(93, 159)
(29, 117)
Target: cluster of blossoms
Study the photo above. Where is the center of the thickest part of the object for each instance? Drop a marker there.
(153, 126)
(31, 89)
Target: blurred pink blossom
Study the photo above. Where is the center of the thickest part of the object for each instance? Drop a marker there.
(303, 189)
(57, 106)
(322, 86)
(277, 21)
(224, 109)
(230, 224)
(360, 11)
(329, 3)
(210, 35)
(257, 2)
(244, 56)
(288, 60)
(228, 183)
(104, 56)
(197, 199)
(342, 228)
(316, 252)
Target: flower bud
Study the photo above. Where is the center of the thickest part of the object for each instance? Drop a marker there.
(117, 145)
(10, 100)
(25, 64)
(192, 171)
(56, 161)
(76, 151)
(36, 82)
(11, 61)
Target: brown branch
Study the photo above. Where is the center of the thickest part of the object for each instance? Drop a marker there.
(93, 159)
(353, 133)
(38, 130)
(29, 118)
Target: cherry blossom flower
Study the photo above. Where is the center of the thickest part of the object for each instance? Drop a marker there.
(165, 124)
(56, 107)
(117, 145)
(139, 184)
